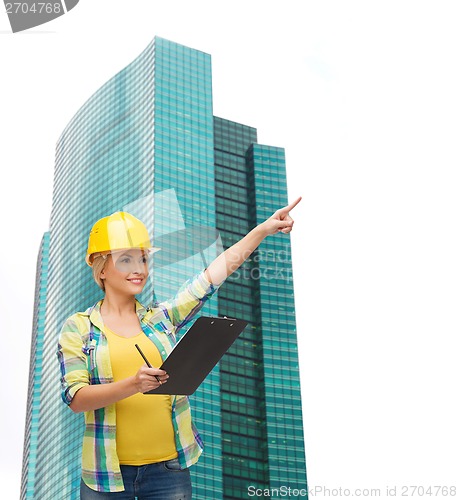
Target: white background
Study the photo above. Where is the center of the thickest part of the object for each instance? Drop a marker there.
(363, 96)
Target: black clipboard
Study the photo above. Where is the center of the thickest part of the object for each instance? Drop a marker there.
(197, 352)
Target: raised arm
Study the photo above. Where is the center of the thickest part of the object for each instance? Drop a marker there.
(231, 259)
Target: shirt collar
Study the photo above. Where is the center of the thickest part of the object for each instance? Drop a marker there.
(93, 313)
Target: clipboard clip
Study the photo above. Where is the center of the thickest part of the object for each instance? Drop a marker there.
(220, 317)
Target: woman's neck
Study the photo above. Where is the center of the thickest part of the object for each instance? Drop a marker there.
(119, 315)
(117, 305)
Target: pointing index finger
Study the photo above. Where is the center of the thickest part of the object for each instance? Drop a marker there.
(292, 205)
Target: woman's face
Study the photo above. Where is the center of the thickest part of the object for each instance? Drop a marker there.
(126, 271)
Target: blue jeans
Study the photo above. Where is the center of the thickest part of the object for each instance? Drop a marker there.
(159, 481)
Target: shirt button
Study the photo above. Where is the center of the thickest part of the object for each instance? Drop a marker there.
(163, 352)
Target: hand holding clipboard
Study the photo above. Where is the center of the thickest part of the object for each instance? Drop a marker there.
(196, 354)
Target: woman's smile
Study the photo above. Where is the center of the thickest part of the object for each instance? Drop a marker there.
(136, 281)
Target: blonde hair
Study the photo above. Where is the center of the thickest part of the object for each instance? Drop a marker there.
(98, 265)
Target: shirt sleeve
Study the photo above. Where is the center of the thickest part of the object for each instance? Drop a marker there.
(72, 360)
(189, 299)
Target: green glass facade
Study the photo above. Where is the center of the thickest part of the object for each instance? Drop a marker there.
(183, 162)
(147, 142)
(262, 430)
(242, 382)
(32, 419)
(275, 305)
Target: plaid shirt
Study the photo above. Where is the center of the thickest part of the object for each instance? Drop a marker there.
(84, 359)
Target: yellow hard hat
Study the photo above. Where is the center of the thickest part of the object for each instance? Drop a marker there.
(118, 231)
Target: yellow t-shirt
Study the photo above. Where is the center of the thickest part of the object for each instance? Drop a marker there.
(144, 429)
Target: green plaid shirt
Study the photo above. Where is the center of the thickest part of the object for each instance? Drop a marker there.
(84, 359)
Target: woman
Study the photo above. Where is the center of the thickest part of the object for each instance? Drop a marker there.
(137, 446)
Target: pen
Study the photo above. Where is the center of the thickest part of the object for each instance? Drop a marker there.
(146, 361)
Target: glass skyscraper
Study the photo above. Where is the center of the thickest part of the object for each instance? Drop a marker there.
(36, 363)
(147, 142)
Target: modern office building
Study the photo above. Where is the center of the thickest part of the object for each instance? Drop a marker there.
(36, 362)
(147, 142)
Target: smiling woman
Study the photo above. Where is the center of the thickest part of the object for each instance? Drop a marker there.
(129, 436)
(130, 266)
